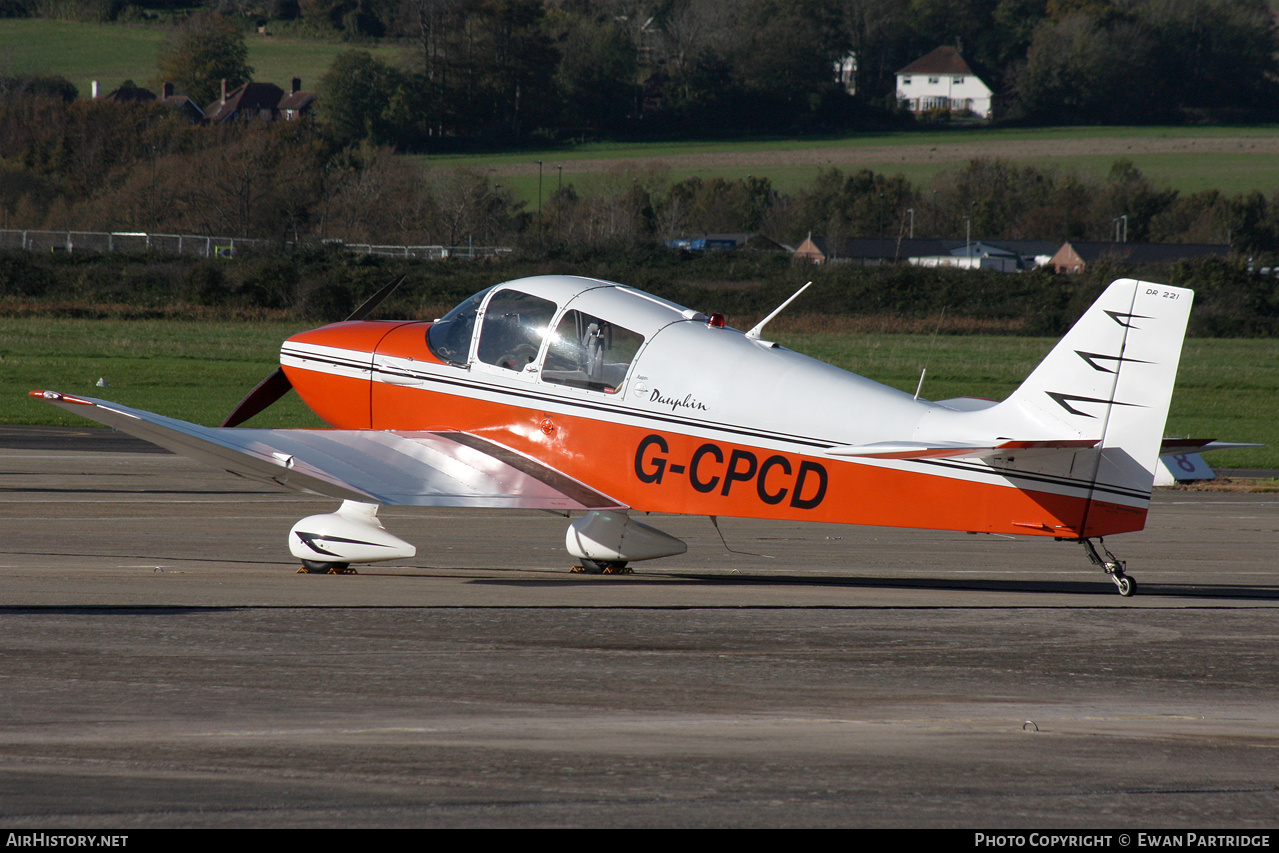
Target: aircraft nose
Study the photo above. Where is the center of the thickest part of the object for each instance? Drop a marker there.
(332, 368)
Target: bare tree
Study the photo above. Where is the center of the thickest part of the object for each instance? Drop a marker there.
(470, 207)
(698, 27)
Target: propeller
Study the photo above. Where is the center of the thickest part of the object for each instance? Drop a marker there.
(277, 384)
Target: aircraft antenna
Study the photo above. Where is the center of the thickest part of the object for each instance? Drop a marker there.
(920, 386)
(754, 333)
(928, 357)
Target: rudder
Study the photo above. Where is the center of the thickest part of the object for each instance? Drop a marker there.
(1111, 379)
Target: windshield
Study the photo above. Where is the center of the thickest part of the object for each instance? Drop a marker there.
(450, 338)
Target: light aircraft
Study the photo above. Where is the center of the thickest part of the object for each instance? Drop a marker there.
(584, 396)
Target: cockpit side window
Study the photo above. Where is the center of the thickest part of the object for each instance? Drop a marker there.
(514, 326)
(587, 352)
(450, 337)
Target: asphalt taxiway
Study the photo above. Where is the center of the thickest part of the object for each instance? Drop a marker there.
(163, 666)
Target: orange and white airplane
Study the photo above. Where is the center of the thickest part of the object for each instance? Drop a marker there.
(579, 395)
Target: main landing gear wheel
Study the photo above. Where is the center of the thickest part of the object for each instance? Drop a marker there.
(1111, 565)
(319, 567)
(602, 567)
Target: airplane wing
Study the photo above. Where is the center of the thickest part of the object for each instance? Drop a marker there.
(394, 468)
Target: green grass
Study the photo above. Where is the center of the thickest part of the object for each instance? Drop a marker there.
(113, 53)
(199, 371)
(1230, 173)
(189, 370)
(656, 150)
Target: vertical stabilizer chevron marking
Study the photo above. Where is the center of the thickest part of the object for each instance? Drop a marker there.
(1111, 379)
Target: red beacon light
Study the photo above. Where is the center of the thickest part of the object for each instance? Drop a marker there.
(716, 321)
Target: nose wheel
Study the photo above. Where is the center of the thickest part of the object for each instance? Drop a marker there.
(1111, 565)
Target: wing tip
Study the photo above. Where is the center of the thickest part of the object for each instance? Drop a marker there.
(58, 397)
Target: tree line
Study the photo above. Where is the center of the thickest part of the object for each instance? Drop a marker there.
(78, 164)
(985, 199)
(504, 70)
(99, 165)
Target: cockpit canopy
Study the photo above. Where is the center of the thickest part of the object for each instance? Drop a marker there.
(563, 330)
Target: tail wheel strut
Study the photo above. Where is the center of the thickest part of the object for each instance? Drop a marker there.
(1110, 564)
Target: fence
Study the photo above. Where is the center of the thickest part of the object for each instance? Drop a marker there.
(125, 241)
(211, 247)
(426, 253)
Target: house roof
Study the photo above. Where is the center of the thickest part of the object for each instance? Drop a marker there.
(878, 248)
(129, 93)
(1026, 248)
(250, 97)
(943, 60)
(186, 106)
(298, 100)
(882, 249)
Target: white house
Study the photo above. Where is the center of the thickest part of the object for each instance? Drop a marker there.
(846, 73)
(942, 80)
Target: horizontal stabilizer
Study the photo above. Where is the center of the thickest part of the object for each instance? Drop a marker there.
(395, 468)
(958, 450)
(1172, 446)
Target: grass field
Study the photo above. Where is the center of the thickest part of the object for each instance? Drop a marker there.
(199, 371)
(113, 53)
(190, 370)
(1189, 159)
(1128, 135)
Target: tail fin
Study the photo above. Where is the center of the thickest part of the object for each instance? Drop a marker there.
(1111, 379)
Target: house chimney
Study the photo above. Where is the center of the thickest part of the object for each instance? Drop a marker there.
(297, 85)
(168, 91)
(94, 89)
(224, 90)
